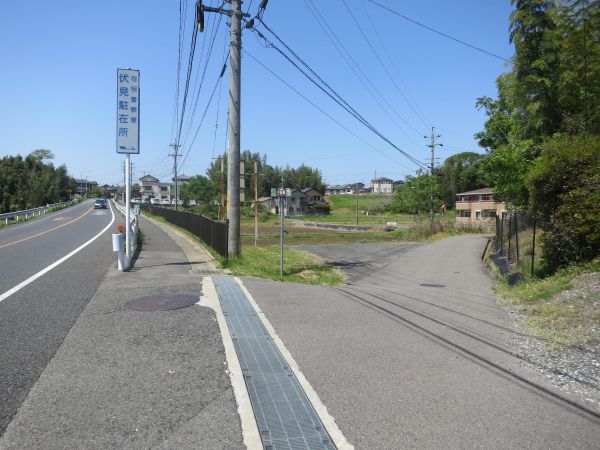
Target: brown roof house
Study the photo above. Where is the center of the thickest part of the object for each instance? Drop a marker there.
(478, 208)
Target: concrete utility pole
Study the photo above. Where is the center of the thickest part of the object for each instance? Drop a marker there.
(433, 137)
(175, 155)
(255, 203)
(233, 124)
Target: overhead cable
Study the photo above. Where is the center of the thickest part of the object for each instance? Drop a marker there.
(438, 32)
(314, 78)
(325, 113)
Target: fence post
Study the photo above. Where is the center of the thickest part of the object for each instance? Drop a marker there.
(509, 233)
(533, 246)
(517, 235)
(501, 235)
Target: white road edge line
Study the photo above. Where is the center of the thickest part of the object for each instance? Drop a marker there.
(34, 277)
(335, 433)
(250, 434)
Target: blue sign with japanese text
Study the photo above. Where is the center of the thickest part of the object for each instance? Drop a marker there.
(128, 111)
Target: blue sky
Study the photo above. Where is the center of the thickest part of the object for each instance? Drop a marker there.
(58, 83)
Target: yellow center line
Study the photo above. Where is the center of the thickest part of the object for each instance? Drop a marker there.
(47, 231)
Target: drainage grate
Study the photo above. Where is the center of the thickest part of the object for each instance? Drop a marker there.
(285, 416)
(207, 272)
(164, 302)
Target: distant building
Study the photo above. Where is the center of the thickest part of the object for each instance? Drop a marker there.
(302, 202)
(382, 185)
(84, 187)
(151, 187)
(344, 189)
(478, 208)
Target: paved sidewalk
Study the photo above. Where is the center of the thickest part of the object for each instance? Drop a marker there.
(130, 379)
(414, 352)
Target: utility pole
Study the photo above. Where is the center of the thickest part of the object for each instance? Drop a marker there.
(255, 203)
(233, 124)
(356, 192)
(175, 155)
(222, 204)
(433, 137)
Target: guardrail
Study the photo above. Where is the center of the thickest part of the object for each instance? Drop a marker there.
(31, 212)
(133, 221)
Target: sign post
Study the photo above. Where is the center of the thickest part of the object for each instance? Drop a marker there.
(281, 193)
(128, 136)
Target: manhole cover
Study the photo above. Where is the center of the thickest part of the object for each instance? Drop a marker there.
(164, 302)
(432, 285)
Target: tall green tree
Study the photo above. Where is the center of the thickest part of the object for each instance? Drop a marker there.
(459, 173)
(534, 33)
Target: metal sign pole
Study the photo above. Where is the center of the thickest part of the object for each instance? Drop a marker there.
(127, 210)
(281, 206)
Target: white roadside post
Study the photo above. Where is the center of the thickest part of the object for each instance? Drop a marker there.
(117, 243)
(128, 137)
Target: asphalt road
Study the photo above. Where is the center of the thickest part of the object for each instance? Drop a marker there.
(414, 352)
(35, 320)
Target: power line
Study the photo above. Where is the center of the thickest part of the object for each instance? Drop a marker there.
(351, 62)
(214, 33)
(385, 69)
(410, 101)
(187, 81)
(205, 111)
(180, 40)
(438, 32)
(328, 90)
(323, 111)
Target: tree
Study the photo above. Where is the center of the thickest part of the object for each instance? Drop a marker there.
(29, 182)
(269, 176)
(414, 196)
(198, 188)
(506, 169)
(459, 173)
(565, 191)
(41, 154)
(536, 37)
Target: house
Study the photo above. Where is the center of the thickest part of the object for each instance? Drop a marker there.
(315, 204)
(478, 208)
(312, 195)
(382, 185)
(109, 191)
(295, 205)
(336, 189)
(85, 186)
(151, 187)
(302, 202)
(344, 189)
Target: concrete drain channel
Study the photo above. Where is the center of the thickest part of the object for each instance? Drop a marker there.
(162, 302)
(285, 417)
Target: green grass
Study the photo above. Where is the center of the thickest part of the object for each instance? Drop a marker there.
(562, 320)
(365, 202)
(263, 262)
(299, 266)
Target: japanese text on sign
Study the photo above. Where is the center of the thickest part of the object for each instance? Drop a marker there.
(128, 111)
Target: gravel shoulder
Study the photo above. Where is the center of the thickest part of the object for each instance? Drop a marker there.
(574, 370)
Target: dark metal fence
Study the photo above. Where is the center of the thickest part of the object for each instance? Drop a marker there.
(509, 232)
(212, 232)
